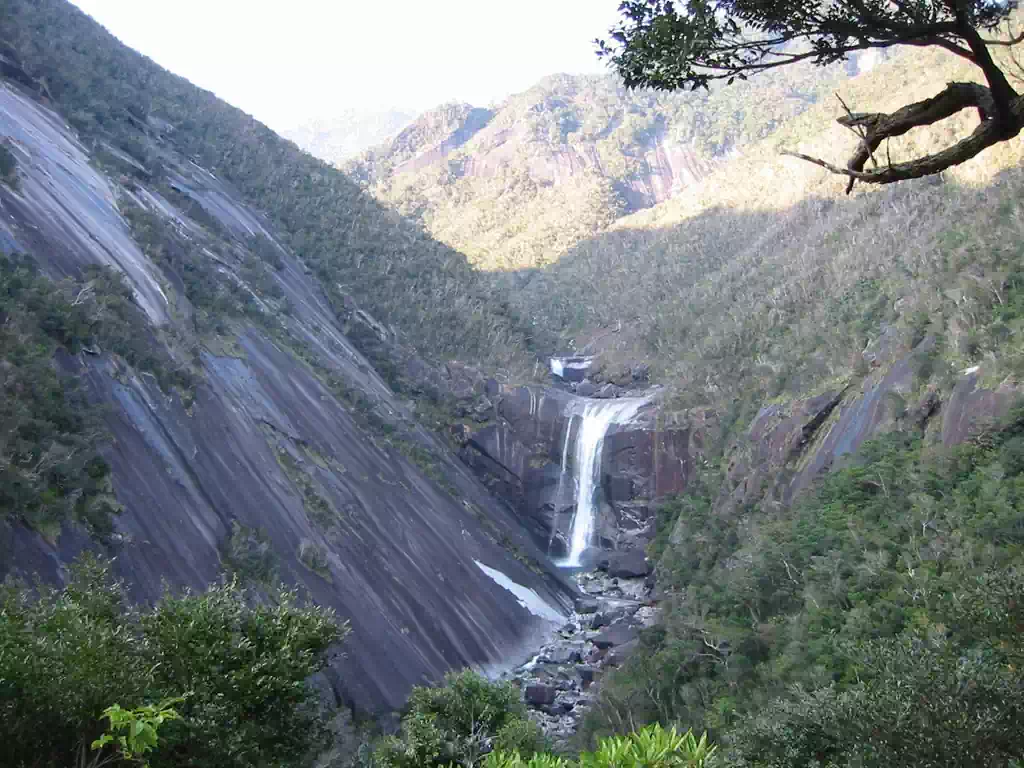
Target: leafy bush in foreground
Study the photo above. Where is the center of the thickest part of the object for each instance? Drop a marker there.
(459, 723)
(650, 747)
(67, 655)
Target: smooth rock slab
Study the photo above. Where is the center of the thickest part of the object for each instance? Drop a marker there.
(627, 565)
(617, 634)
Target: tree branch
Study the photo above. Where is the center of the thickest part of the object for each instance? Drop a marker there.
(1000, 89)
(988, 133)
(879, 127)
(1012, 41)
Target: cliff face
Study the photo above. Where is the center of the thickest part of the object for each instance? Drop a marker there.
(285, 453)
(780, 453)
(564, 127)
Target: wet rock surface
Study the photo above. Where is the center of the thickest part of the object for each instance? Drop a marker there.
(521, 455)
(561, 681)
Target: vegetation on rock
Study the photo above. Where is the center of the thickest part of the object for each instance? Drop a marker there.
(115, 96)
(874, 622)
(51, 469)
(517, 186)
(242, 665)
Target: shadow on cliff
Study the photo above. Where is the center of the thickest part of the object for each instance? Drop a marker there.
(793, 336)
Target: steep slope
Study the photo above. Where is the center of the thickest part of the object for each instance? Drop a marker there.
(844, 368)
(238, 426)
(336, 139)
(516, 185)
(767, 281)
(425, 290)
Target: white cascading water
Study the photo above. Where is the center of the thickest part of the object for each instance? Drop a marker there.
(597, 417)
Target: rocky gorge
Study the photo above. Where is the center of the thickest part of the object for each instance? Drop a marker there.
(514, 526)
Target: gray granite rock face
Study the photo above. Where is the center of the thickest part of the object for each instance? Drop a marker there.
(521, 457)
(397, 552)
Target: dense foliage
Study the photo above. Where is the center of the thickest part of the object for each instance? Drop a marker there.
(458, 723)
(519, 185)
(50, 466)
(650, 747)
(242, 666)
(875, 622)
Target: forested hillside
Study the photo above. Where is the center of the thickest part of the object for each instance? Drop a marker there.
(183, 300)
(517, 185)
(766, 281)
(223, 359)
(840, 623)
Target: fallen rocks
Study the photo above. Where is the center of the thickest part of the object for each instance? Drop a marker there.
(617, 634)
(540, 695)
(560, 682)
(629, 565)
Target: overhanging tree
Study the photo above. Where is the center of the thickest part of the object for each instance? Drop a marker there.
(670, 45)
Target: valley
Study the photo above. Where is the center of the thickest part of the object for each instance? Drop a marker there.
(539, 433)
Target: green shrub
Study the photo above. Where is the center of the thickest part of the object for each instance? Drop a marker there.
(67, 654)
(459, 722)
(52, 471)
(947, 693)
(133, 733)
(650, 747)
(8, 165)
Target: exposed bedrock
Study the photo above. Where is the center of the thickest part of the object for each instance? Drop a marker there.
(527, 458)
(268, 471)
(789, 444)
(786, 446)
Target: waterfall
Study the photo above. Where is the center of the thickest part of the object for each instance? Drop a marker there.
(565, 445)
(597, 417)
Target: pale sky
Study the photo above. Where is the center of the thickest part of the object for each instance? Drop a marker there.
(286, 61)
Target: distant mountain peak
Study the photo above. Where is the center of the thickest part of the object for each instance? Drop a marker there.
(336, 138)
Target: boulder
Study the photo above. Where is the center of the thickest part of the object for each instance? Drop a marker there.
(611, 615)
(540, 695)
(570, 369)
(586, 674)
(587, 605)
(586, 389)
(618, 655)
(615, 635)
(629, 565)
(561, 654)
(608, 391)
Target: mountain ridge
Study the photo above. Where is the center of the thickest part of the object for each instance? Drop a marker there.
(578, 149)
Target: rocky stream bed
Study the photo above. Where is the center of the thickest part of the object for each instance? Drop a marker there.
(560, 681)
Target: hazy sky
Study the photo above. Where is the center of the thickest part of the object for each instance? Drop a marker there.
(285, 61)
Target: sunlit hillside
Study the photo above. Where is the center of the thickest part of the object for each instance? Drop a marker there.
(765, 278)
(516, 186)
